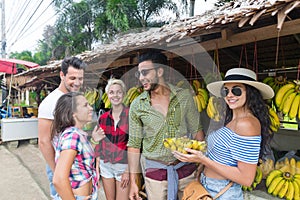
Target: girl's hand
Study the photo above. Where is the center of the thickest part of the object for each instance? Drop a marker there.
(125, 179)
(98, 134)
(194, 156)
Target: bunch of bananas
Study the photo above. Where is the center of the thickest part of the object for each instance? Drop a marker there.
(213, 109)
(179, 144)
(275, 122)
(201, 96)
(106, 101)
(256, 181)
(132, 93)
(266, 167)
(92, 96)
(275, 82)
(287, 99)
(285, 182)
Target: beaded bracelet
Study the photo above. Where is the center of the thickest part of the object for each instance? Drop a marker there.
(93, 141)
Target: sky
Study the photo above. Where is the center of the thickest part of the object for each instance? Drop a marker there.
(24, 27)
(25, 21)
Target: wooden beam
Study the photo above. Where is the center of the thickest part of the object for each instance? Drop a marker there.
(259, 34)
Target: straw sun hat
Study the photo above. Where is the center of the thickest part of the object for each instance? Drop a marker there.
(241, 75)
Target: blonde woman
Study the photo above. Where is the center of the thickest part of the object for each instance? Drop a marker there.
(112, 151)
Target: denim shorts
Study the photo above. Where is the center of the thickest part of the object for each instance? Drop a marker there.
(214, 186)
(109, 170)
(53, 192)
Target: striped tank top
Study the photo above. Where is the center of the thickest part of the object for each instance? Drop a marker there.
(226, 147)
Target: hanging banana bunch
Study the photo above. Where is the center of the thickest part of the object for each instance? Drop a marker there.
(201, 95)
(92, 96)
(131, 94)
(275, 122)
(287, 99)
(213, 109)
(275, 82)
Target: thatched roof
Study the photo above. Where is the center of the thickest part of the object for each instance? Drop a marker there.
(222, 27)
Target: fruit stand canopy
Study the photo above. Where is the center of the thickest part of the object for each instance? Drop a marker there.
(9, 65)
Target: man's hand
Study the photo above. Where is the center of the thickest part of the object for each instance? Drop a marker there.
(134, 192)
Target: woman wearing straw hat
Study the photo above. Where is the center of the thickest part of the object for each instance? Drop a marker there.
(233, 150)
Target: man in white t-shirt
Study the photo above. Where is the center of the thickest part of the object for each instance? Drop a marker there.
(71, 75)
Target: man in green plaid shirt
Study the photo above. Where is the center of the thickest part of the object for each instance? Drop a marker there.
(161, 111)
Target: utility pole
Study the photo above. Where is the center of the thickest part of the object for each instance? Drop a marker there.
(3, 35)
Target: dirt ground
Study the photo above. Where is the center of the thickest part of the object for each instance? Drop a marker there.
(23, 174)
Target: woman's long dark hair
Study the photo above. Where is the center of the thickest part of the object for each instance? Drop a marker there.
(63, 113)
(259, 108)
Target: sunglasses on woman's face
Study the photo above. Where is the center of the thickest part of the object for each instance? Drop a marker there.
(144, 72)
(236, 91)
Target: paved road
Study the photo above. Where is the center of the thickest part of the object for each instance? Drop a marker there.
(23, 174)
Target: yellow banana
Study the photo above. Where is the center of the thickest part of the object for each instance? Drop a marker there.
(274, 115)
(280, 107)
(298, 167)
(288, 103)
(278, 187)
(296, 191)
(196, 85)
(202, 101)
(294, 108)
(204, 93)
(197, 103)
(290, 192)
(274, 183)
(281, 92)
(293, 166)
(284, 189)
(273, 174)
(209, 112)
(258, 175)
(212, 106)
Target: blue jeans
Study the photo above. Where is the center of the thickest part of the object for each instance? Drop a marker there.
(53, 192)
(214, 186)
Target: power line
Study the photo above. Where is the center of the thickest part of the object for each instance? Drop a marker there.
(21, 14)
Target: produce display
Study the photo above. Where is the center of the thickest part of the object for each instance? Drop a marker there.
(285, 181)
(266, 167)
(287, 99)
(131, 94)
(179, 144)
(257, 180)
(213, 108)
(275, 82)
(275, 122)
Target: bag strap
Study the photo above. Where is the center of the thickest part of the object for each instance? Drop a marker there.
(223, 190)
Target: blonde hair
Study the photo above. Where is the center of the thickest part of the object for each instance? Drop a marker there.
(114, 81)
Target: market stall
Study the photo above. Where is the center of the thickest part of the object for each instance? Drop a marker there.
(261, 35)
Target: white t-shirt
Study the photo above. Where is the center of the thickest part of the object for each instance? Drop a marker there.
(47, 106)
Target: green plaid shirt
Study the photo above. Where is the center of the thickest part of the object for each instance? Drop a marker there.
(148, 127)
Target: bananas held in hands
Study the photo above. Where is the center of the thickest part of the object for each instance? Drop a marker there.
(287, 99)
(256, 181)
(284, 182)
(179, 144)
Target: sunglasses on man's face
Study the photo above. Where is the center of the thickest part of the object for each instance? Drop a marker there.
(144, 72)
(236, 91)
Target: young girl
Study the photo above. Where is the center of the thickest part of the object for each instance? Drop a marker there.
(233, 150)
(75, 174)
